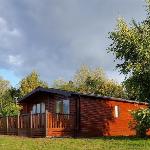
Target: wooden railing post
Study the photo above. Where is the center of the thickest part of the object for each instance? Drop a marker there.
(6, 124)
(46, 123)
(18, 124)
(31, 123)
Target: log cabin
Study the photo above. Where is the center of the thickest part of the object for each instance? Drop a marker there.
(59, 113)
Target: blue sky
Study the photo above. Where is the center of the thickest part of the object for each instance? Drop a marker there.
(55, 37)
(9, 75)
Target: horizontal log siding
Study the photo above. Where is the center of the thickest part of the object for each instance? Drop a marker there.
(97, 117)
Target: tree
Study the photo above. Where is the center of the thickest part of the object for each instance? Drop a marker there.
(90, 81)
(4, 86)
(131, 46)
(31, 82)
(140, 121)
(8, 104)
(61, 84)
(15, 93)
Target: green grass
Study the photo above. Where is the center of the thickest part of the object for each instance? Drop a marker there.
(105, 143)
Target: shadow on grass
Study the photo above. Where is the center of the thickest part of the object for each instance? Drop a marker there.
(128, 138)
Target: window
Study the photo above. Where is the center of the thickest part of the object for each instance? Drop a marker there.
(42, 107)
(116, 111)
(62, 106)
(34, 109)
(66, 106)
(38, 108)
(59, 106)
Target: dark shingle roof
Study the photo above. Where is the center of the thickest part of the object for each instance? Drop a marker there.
(46, 90)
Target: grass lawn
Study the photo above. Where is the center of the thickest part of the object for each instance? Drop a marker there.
(105, 143)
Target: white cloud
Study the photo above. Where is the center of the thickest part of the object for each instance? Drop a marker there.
(9, 37)
(11, 44)
(2, 24)
(15, 60)
(55, 37)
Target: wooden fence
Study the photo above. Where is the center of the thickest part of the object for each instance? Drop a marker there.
(38, 125)
(24, 125)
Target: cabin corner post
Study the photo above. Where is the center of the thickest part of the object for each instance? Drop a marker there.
(77, 117)
(18, 124)
(46, 123)
(31, 123)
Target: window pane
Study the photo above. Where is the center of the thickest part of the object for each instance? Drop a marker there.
(58, 106)
(38, 108)
(66, 106)
(42, 107)
(34, 109)
(116, 111)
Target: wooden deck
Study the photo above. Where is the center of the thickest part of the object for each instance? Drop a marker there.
(60, 125)
(38, 125)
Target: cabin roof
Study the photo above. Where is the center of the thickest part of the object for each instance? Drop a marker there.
(70, 93)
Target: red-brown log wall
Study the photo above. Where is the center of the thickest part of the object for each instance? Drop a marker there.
(97, 117)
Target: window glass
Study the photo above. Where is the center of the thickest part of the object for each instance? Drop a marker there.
(66, 106)
(116, 111)
(58, 106)
(42, 107)
(38, 109)
(34, 109)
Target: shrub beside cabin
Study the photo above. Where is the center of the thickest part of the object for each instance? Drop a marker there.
(57, 113)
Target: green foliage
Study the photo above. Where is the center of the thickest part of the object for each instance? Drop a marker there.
(10, 109)
(68, 86)
(131, 46)
(9, 95)
(141, 121)
(90, 81)
(14, 93)
(8, 104)
(31, 82)
(4, 86)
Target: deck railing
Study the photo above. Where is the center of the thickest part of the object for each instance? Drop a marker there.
(36, 124)
(24, 124)
(58, 120)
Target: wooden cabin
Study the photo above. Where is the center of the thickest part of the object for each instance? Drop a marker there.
(58, 113)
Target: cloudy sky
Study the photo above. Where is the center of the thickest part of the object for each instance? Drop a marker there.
(55, 37)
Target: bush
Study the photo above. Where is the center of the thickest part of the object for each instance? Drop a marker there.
(141, 121)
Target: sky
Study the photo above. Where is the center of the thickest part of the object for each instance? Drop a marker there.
(55, 37)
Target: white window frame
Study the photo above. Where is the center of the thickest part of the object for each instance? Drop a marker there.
(42, 107)
(62, 102)
(66, 102)
(38, 108)
(58, 108)
(116, 111)
(34, 109)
